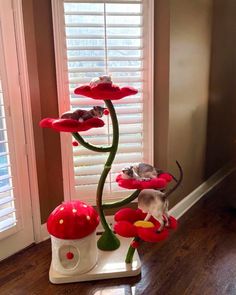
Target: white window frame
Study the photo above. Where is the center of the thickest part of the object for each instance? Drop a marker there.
(21, 234)
(64, 103)
(39, 232)
(28, 229)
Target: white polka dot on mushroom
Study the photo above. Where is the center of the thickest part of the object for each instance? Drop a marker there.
(74, 210)
(61, 221)
(88, 217)
(85, 206)
(62, 208)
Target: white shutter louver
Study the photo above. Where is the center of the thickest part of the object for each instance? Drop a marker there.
(7, 206)
(106, 37)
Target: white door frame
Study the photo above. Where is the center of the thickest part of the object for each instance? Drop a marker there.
(28, 122)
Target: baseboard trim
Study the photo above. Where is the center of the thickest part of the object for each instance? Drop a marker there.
(44, 233)
(183, 206)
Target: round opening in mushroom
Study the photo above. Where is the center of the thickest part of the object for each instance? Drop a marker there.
(69, 256)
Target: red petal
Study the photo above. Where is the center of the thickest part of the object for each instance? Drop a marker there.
(173, 224)
(127, 214)
(46, 122)
(125, 229)
(135, 244)
(166, 176)
(66, 125)
(139, 184)
(105, 91)
(151, 234)
(70, 125)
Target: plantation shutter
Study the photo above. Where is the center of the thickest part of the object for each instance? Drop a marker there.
(7, 205)
(95, 38)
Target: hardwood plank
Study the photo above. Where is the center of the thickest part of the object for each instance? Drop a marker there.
(199, 258)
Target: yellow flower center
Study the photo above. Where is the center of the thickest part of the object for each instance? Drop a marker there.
(143, 223)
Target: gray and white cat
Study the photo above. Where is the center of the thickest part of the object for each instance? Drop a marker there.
(100, 80)
(140, 171)
(83, 115)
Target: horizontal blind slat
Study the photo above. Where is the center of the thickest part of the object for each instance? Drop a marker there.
(97, 58)
(123, 130)
(92, 179)
(5, 189)
(120, 79)
(91, 188)
(103, 139)
(4, 177)
(127, 37)
(79, 102)
(94, 170)
(102, 2)
(85, 161)
(6, 211)
(94, 48)
(94, 25)
(6, 200)
(7, 223)
(101, 13)
(123, 148)
(4, 154)
(111, 69)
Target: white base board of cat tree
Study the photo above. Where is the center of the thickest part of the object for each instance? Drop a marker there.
(110, 265)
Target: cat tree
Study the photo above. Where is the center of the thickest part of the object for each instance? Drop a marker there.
(116, 257)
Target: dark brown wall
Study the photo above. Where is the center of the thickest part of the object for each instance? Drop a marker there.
(161, 81)
(42, 75)
(221, 132)
(190, 55)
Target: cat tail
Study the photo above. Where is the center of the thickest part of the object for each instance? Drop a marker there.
(178, 182)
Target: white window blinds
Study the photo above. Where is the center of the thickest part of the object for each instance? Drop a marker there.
(7, 206)
(94, 38)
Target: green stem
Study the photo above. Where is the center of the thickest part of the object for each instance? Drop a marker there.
(131, 250)
(123, 202)
(108, 241)
(89, 146)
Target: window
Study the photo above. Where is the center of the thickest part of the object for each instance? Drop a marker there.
(16, 227)
(7, 205)
(94, 38)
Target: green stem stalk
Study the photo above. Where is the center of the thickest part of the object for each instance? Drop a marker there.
(100, 149)
(131, 250)
(108, 241)
(123, 202)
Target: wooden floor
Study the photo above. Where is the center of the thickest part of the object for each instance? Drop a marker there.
(199, 258)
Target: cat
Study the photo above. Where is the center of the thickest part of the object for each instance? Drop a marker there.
(140, 171)
(100, 80)
(83, 115)
(155, 203)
